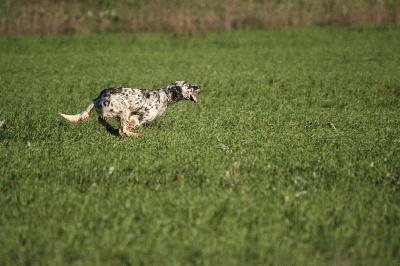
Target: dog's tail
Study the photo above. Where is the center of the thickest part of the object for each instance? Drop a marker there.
(82, 116)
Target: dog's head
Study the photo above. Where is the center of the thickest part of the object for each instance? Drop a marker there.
(187, 90)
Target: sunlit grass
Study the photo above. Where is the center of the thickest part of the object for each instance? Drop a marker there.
(254, 173)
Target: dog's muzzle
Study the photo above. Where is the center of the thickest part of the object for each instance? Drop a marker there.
(196, 89)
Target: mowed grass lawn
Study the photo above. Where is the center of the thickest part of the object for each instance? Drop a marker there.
(291, 155)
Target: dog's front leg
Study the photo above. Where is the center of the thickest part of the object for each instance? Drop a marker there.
(127, 125)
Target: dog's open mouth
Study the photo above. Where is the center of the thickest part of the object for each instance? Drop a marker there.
(193, 98)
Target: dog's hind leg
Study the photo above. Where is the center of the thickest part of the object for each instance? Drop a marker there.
(109, 127)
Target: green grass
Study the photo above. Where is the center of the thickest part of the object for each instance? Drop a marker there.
(252, 174)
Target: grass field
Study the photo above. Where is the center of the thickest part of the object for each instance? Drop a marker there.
(291, 156)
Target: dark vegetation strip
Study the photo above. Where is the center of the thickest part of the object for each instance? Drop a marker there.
(182, 16)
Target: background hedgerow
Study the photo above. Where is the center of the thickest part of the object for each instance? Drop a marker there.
(77, 16)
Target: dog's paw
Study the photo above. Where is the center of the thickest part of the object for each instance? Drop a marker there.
(133, 134)
(137, 135)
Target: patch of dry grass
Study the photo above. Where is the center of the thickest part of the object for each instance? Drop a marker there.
(76, 16)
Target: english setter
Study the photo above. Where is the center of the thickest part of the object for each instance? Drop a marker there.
(134, 107)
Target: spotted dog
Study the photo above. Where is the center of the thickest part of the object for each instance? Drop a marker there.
(134, 107)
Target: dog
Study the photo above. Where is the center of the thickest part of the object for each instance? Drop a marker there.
(134, 107)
